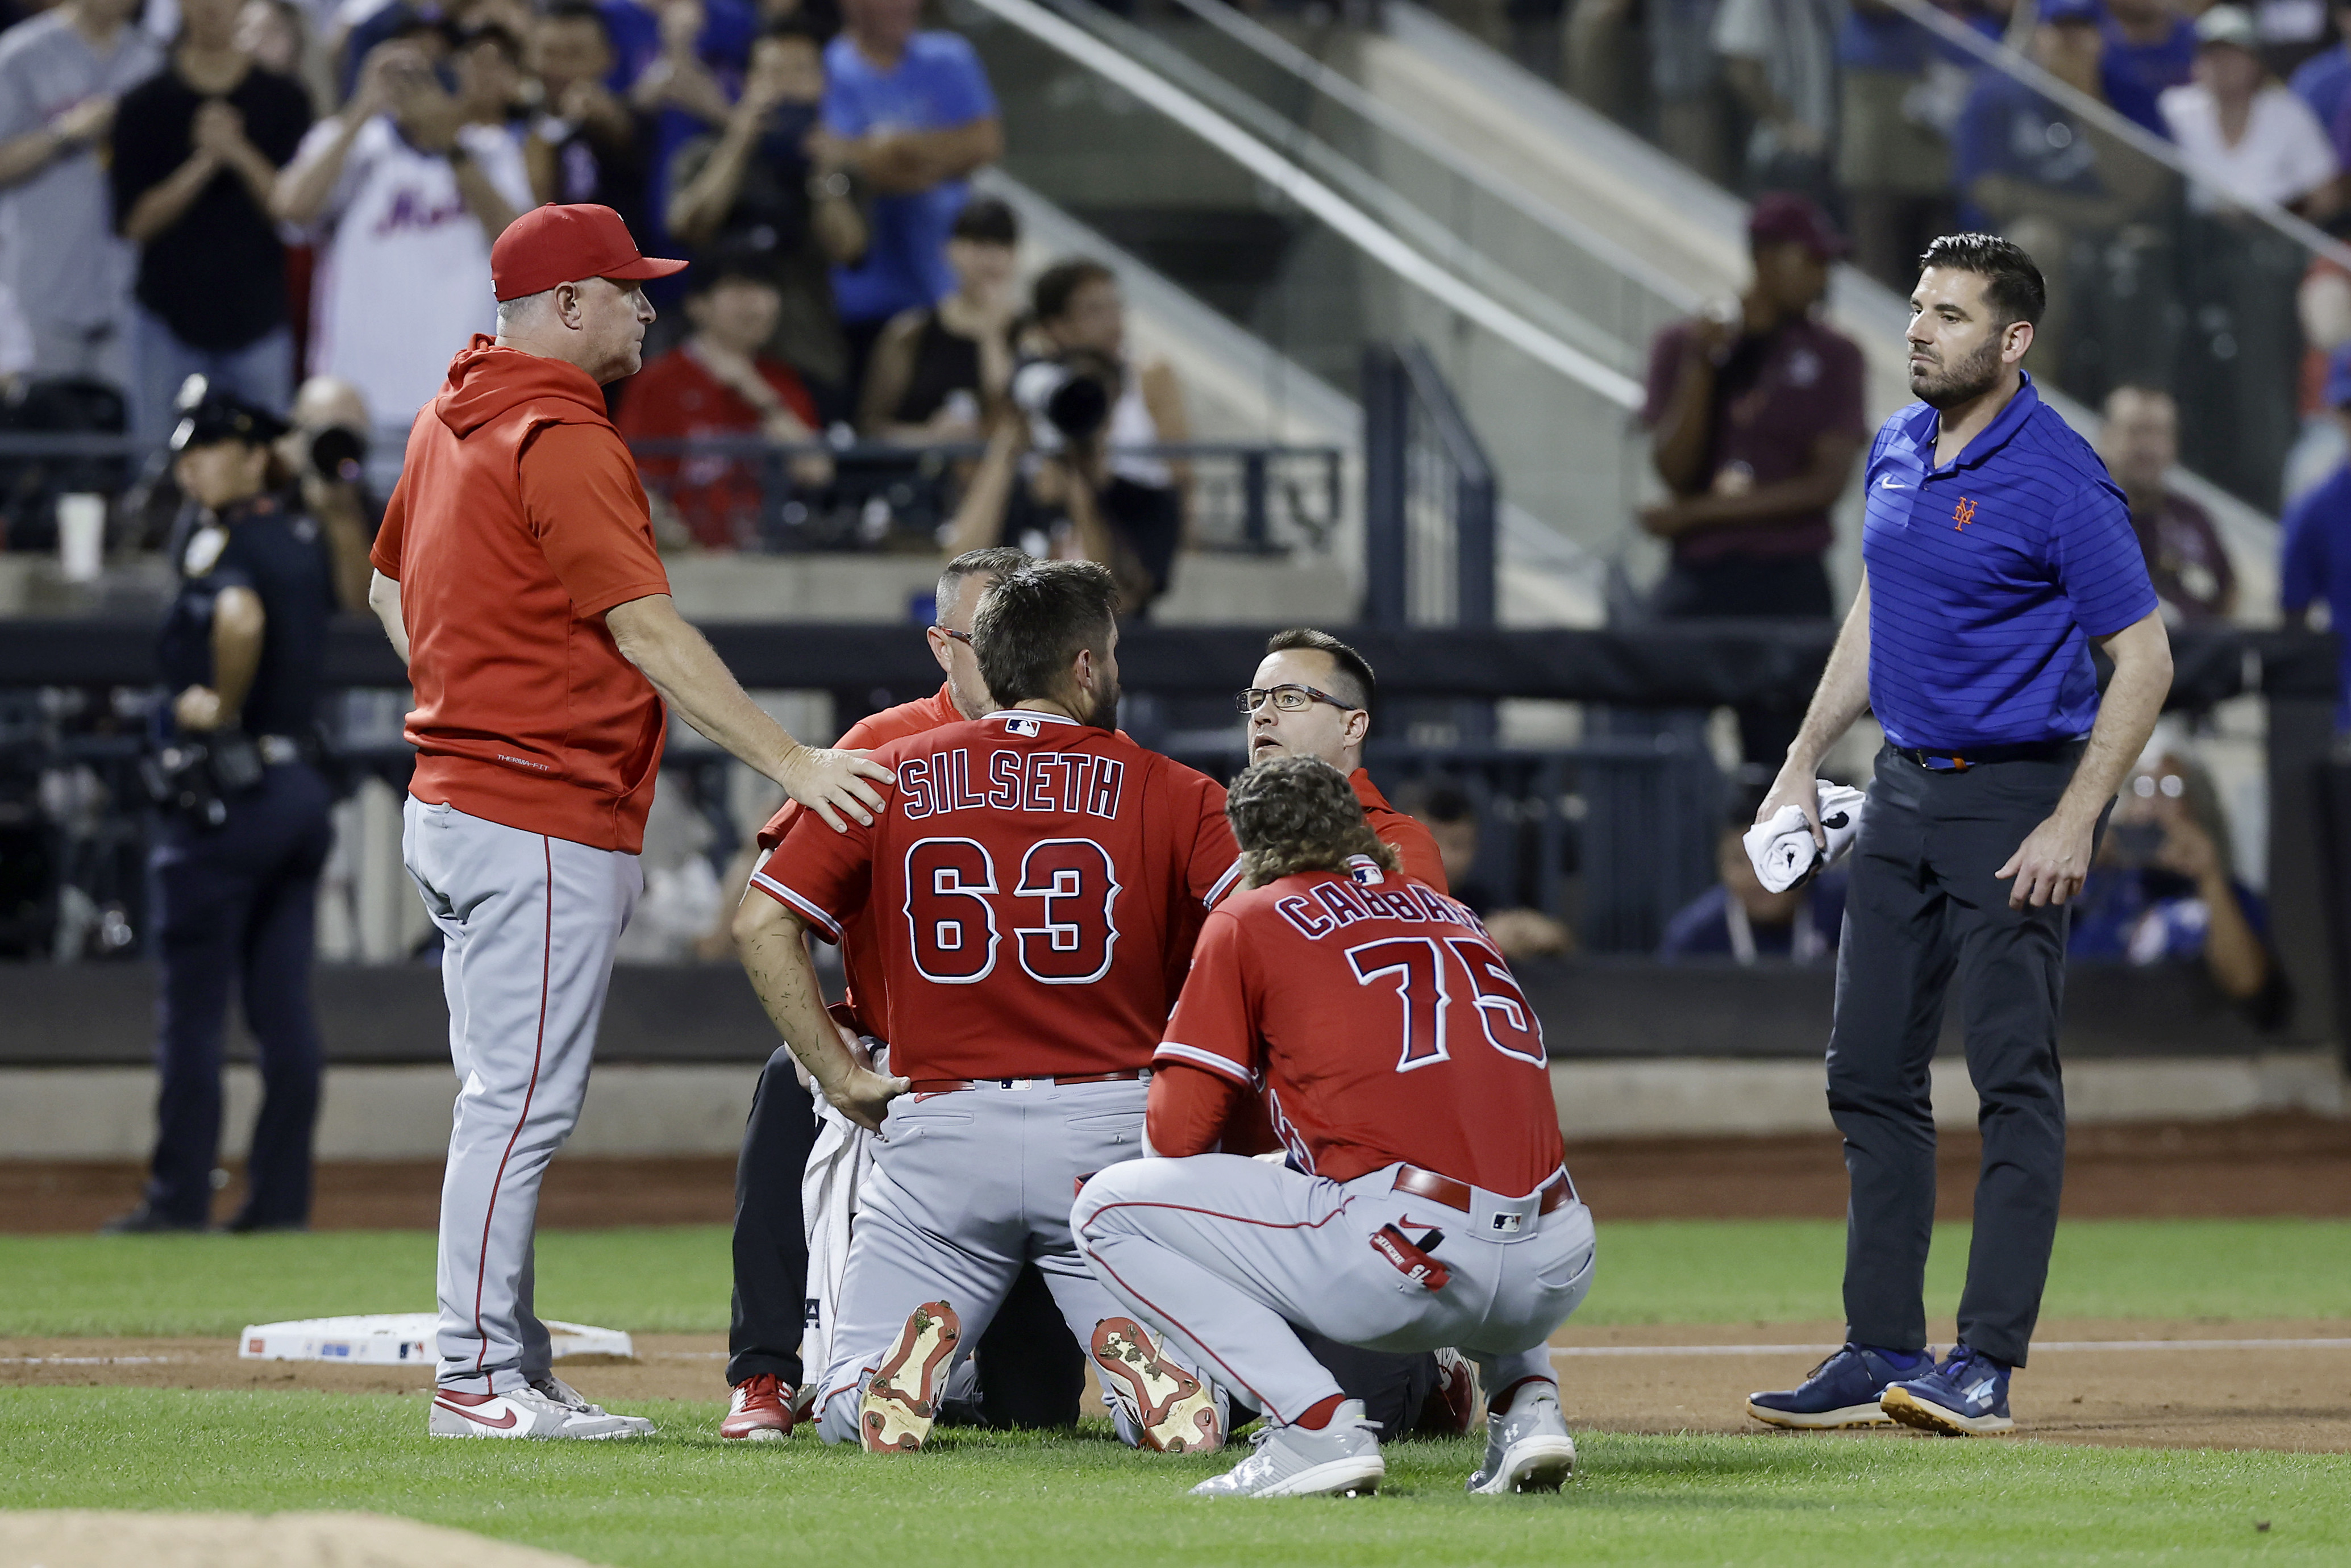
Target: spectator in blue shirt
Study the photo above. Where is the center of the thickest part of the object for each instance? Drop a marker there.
(683, 65)
(2317, 564)
(2163, 891)
(2324, 81)
(2031, 170)
(912, 115)
(2149, 47)
(1738, 919)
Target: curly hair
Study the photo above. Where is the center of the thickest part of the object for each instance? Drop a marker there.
(1300, 813)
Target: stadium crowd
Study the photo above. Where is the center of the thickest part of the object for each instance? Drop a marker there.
(1903, 133)
(260, 190)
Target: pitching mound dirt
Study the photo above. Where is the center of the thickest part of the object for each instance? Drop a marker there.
(92, 1538)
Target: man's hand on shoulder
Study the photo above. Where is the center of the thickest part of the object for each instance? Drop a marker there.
(833, 783)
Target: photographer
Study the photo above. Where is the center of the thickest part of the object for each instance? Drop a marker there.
(2161, 891)
(327, 447)
(1039, 487)
(245, 829)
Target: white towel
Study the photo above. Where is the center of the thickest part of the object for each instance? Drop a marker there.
(837, 1168)
(1782, 848)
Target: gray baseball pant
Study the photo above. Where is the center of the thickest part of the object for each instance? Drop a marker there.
(966, 1187)
(1223, 1254)
(528, 928)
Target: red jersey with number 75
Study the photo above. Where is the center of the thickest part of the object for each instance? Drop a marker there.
(1035, 887)
(1383, 1025)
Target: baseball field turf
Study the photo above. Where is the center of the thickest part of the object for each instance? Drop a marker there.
(167, 1433)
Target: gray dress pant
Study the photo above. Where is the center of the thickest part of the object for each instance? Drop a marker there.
(1923, 909)
(528, 928)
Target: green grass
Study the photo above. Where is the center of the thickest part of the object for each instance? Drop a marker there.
(687, 1500)
(675, 1279)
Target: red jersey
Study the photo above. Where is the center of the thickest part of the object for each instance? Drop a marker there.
(718, 496)
(1401, 833)
(517, 522)
(1381, 1023)
(860, 955)
(1035, 887)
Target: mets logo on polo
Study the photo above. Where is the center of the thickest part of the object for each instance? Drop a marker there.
(1963, 514)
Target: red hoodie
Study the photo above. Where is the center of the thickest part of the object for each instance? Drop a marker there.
(517, 522)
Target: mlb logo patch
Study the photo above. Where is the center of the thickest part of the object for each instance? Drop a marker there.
(1023, 724)
(1506, 1223)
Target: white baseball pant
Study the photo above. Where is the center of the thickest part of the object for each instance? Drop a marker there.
(528, 928)
(1222, 1254)
(965, 1187)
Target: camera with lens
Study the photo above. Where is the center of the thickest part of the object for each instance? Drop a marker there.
(338, 454)
(1066, 399)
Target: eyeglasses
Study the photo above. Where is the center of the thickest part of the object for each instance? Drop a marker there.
(1287, 699)
(962, 637)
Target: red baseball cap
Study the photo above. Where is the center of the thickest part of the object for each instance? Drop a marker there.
(552, 245)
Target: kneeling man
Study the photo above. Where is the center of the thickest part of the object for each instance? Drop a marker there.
(1424, 1203)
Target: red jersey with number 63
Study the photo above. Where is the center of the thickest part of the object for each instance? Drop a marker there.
(1036, 886)
(1382, 1024)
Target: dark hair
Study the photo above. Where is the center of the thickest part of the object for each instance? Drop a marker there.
(481, 32)
(1351, 665)
(2013, 284)
(1055, 286)
(993, 561)
(1035, 620)
(579, 11)
(986, 221)
(791, 30)
(1300, 813)
(730, 263)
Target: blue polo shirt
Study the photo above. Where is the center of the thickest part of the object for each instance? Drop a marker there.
(1988, 576)
(2317, 565)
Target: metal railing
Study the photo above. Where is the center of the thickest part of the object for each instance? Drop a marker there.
(1430, 497)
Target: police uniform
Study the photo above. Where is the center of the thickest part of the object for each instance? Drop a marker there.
(234, 899)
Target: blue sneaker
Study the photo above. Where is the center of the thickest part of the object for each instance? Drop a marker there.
(1840, 1392)
(1967, 1397)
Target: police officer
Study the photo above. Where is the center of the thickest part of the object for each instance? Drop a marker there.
(245, 829)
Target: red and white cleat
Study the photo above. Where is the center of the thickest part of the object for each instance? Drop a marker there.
(902, 1399)
(1452, 1405)
(1172, 1411)
(518, 1413)
(760, 1411)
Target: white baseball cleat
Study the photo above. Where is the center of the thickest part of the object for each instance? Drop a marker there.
(1527, 1449)
(1168, 1410)
(517, 1413)
(550, 1386)
(1342, 1457)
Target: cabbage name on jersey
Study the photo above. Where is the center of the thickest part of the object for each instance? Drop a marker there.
(1382, 1024)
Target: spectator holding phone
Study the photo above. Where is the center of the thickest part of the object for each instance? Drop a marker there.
(586, 144)
(2162, 888)
(196, 151)
(408, 186)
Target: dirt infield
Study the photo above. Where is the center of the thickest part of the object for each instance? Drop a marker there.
(2091, 1381)
(91, 1538)
(2249, 1168)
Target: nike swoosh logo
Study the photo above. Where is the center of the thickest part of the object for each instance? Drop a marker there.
(498, 1425)
(1888, 483)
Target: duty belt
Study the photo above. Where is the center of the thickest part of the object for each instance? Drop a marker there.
(952, 1085)
(1977, 756)
(1460, 1195)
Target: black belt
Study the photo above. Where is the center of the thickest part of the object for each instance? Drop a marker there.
(1977, 756)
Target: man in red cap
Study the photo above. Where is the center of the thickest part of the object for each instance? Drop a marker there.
(1755, 418)
(515, 573)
